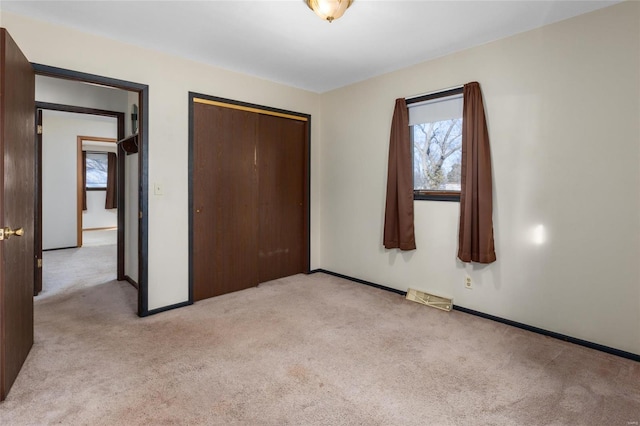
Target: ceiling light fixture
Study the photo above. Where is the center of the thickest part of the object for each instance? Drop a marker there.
(329, 10)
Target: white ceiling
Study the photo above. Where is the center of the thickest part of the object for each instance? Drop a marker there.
(286, 42)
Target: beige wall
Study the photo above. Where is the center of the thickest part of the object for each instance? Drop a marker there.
(169, 79)
(563, 112)
(60, 170)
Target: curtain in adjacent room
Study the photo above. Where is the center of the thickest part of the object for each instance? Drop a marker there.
(84, 180)
(398, 218)
(111, 199)
(476, 199)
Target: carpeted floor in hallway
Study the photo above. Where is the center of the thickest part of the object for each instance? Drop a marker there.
(305, 350)
(74, 268)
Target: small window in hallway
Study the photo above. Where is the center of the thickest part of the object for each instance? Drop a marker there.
(97, 166)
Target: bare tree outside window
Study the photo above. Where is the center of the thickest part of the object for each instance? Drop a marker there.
(97, 167)
(437, 153)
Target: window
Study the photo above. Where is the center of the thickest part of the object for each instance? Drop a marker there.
(436, 137)
(97, 166)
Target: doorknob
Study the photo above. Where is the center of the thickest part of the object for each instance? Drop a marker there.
(6, 233)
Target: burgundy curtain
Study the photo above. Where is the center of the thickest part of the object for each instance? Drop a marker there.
(84, 180)
(476, 199)
(398, 216)
(111, 199)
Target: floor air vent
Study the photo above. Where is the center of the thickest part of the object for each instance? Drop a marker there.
(430, 300)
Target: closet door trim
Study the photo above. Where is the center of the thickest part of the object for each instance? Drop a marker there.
(253, 108)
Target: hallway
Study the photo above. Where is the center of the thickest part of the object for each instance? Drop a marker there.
(75, 268)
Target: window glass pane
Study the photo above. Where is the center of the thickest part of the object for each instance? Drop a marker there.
(437, 153)
(97, 169)
(436, 131)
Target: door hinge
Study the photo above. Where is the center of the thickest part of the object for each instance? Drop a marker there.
(39, 129)
(139, 215)
(39, 263)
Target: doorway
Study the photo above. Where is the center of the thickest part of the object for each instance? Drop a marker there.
(97, 207)
(60, 198)
(136, 223)
(66, 207)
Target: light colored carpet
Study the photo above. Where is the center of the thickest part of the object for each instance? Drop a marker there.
(99, 237)
(71, 269)
(305, 350)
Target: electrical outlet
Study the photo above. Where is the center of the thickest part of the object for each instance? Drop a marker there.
(467, 282)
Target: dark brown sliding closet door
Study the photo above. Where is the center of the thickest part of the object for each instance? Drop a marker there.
(225, 234)
(281, 197)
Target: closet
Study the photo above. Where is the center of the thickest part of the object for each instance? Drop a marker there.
(249, 203)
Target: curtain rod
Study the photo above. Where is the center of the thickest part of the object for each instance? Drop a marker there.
(434, 92)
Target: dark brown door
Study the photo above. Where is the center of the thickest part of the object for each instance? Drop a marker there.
(281, 196)
(225, 225)
(17, 192)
